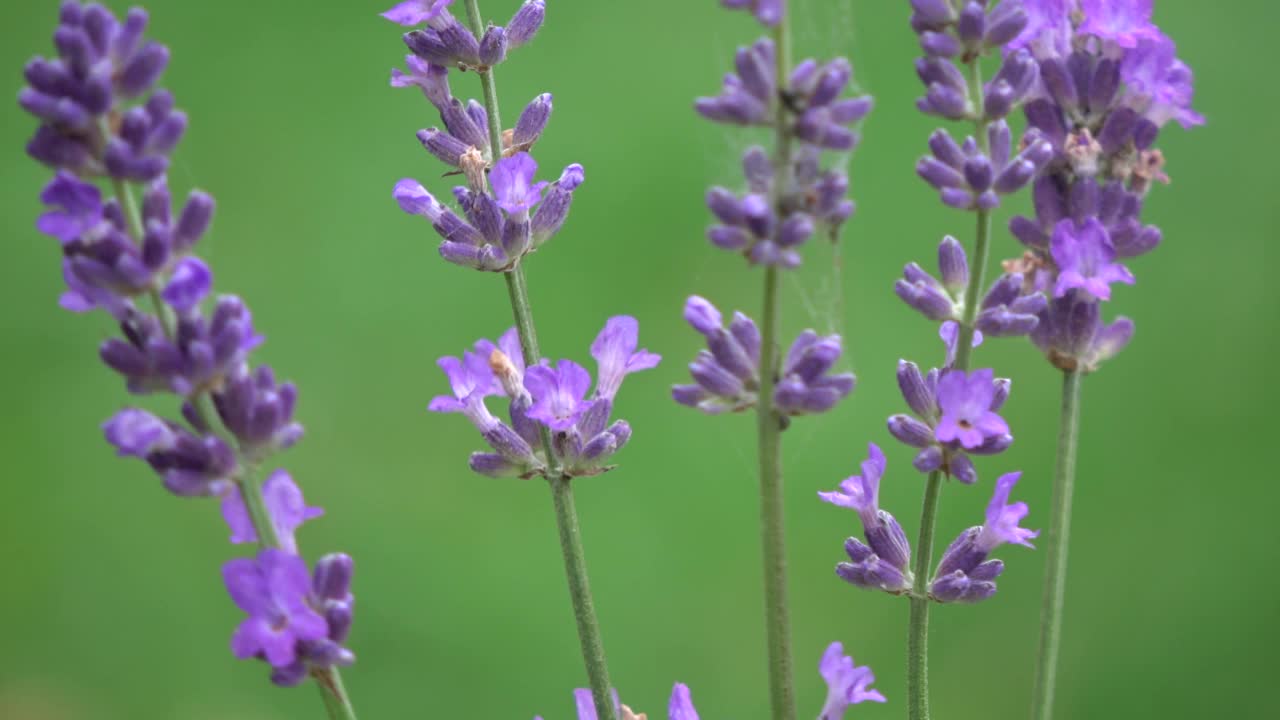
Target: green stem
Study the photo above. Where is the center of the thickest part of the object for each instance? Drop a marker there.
(772, 529)
(336, 701)
(918, 626)
(1055, 578)
(575, 562)
(769, 424)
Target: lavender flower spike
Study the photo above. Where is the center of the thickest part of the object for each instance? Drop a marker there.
(847, 684)
(883, 563)
(964, 574)
(272, 590)
(726, 373)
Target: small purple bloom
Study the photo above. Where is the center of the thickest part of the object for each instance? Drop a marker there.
(847, 684)
(75, 208)
(767, 12)
(558, 394)
(615, 352)
(1124, 22)
(965, 400)
(681, 705)
(285, 507)
(138, 433)
(417, 12)
(188, 285)
(861, 492)
(1158, 84)
(513, 185)
(1003, 518)
(272, 589)
(805, 386)
(432, 79)
(949, 331)
(1086, 259)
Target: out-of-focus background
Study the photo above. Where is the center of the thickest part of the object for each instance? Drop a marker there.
(112, 604)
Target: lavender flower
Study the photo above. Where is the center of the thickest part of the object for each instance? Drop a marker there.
(968, 179)
(101, 62)
(139, 266)
(498, 230)
(767, 12)
(765, 231)
(847, 684)
(289, 614)
(964, 574)
(554, 396)
(1110, 81)
(726, 374)
(680, 707)
(418, 12)
(883, 563)
(954, 415)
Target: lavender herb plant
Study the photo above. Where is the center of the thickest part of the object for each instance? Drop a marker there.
(103, 122)
(1110, 81)
(790, 196)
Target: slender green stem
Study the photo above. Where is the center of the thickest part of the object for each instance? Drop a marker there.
(769, 424)
(918, 626)
(575, 562)
(772, 525)
(1055, 576)
(336, 702)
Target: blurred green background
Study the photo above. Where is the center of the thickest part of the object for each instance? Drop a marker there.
(112, 605)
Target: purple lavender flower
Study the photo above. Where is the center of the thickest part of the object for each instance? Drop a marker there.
(937, 300)
(805, 386)
(189, 465)
(969, 179)
(616, 355)
(101, 62)
(272, 590)
(1085, 258)
(964, 574)
(680, 707)
(331, 597)
(882, 563)
(285, 506)
(559, 394)
(965, 400)
(513, 185)
(1125, 22)
(726, 375)
(922, 429)
(526, 22)
(767, 12)
(847, 684)
(497, 230)
(417, 12)
(768, 224)
(1072, 335)
(472, 379)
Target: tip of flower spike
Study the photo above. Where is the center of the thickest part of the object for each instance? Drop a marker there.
(572, 177)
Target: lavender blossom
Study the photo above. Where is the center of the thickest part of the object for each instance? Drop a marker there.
(1111, 81)
(964, 574)
(847, 684)
(968, 178)
(680, 707)
(763, 230)
(767, 12)
(289, 614)
(138, 264)
(554, 396)
(498, 230)
(883, 563)
(954, 415)
(726, 374)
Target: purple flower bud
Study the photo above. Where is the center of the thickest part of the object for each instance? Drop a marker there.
(532, 121)
(189, 284)
(953, 265)
(143, 70)
(1005, 23)
(922, 292)
(972, 23)
(928, 459)
(909, 431)
(526, 22)
(939, 44)
(493, 46)
(933, 12)
(554, 209)
(916, 391)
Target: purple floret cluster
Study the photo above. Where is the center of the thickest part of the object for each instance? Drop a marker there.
(103, 122)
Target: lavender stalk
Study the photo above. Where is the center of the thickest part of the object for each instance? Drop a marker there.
(117, 255)
(1110, 80)
(547, 407)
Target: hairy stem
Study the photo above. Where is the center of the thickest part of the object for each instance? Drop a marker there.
(918, 627)
(575, 562)
(336, 701)
(769, 426)
(1055, 577)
